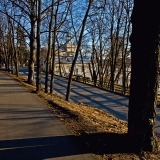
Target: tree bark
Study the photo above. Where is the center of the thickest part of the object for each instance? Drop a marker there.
(49, 48)
(32, 58)
(144, 74)
(53, 60)
(38, 81)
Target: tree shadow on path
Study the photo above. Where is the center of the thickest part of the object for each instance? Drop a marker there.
(108, 143)
(61, 146)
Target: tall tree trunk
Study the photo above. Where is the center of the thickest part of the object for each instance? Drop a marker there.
(112, 51)
(54, 50)
(8, 62)
(14, 48)
(5, 54)
(90, 70)
(32, 58)
(124, 52)
(38, 81)
(53, 61)
(77, 51)
(94, 66)
(144, 74)
(16, 62)
(49, 49)
(59, 61)
(83, 69)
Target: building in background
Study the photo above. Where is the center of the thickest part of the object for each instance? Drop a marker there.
(64, 58)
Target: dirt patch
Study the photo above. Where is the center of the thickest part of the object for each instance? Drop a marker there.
(96, 131)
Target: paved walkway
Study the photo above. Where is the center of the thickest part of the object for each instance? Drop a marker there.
(28, 130)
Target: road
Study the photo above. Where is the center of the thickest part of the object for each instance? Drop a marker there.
(98, 98)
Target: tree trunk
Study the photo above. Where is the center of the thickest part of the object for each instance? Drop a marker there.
(16, 63)
(83, 69)
(53, 60)
(49, 49)
(32, 52)
(144, 74)
(38, 81)
(77, 51)
(8, 62)
(59, 61)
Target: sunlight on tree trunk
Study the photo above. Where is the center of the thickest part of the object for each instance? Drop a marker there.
(32, 58)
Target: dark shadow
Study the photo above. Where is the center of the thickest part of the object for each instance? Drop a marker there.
(38, 148)
(108, 143)
(6, 78)
(13, 91)
(9, 85)
(60, 146)
(66, 113)
(33, 91)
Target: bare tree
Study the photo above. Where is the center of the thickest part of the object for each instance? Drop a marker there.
(77, 50)
(49, 47)
(5, 41)
(108, 27)
(59, 19)
(28, 24)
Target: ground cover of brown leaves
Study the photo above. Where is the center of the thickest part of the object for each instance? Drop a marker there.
(99, 132)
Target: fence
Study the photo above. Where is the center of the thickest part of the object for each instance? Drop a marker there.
(105, 85)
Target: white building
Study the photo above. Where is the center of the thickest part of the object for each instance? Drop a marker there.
(65, 55)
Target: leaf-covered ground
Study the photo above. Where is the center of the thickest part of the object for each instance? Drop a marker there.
(97, 132)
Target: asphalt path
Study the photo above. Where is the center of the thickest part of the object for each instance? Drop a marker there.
(29, 131)
(107, 101)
